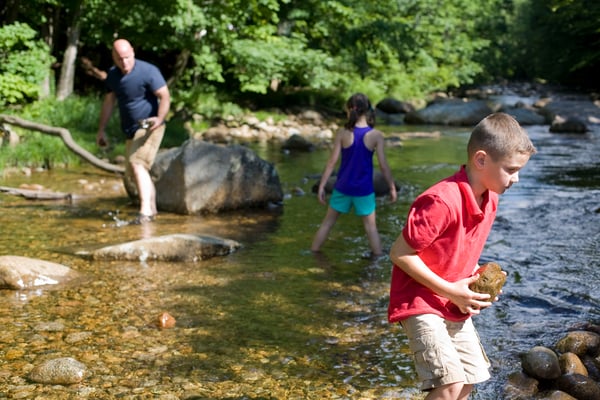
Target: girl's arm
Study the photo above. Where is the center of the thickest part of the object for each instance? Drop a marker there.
(331, 163)
(383, 165)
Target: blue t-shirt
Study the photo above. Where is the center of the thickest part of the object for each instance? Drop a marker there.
(135, 93)
(355, 176)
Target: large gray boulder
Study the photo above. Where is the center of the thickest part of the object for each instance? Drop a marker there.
(454, 112)
(18, 272)
(203, 177)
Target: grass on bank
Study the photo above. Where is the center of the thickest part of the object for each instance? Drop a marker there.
(80, 116)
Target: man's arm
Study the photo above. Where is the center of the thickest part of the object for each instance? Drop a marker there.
(164, 105)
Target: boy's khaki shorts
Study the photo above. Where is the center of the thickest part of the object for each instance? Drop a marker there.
(144, 145)
(445, 352)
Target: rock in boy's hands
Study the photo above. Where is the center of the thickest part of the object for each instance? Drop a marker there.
(468, 301)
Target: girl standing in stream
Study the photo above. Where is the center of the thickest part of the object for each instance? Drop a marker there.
(356, 143)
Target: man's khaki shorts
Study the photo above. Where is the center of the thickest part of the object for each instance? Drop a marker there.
(144, 145)
(445, 352)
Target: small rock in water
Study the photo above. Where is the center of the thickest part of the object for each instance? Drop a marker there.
(166, 320)
(59, 371)
(491, 280)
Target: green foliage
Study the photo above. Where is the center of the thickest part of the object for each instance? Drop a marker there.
(24, 64)
(78, 115)
(256, 63)
(206, 101)
(232, 50)
(561, 40)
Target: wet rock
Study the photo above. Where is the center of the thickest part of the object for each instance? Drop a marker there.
(582, 109)
(520, 386)
(525, 115)
(580, 343)
(76, 337)
(59, 371)
(592, 365)
(568, 125)
(570, 363)
(541, 363)
(392, 106)
(22, 273)
(558, 395)
(298, 143)
(165, 320)
(450, 112)
(491, 280)
(203, 177)
(579, 386)
(176, 247)
(51, 326)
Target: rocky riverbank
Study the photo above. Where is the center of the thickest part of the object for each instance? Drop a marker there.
(569, 370)
(564, 111)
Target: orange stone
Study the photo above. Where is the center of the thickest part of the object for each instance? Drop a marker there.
(166, 320)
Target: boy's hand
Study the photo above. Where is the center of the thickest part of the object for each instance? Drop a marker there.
(468, 301)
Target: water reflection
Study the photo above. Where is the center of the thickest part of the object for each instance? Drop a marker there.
(274, 319)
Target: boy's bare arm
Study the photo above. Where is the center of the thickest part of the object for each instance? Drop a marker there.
(469, 302)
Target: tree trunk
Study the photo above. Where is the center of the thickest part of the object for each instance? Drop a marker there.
(67, 69)
(66, 137)
(48, 30)
(180, 65)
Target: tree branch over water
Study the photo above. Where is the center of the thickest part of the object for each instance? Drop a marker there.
(66, 137)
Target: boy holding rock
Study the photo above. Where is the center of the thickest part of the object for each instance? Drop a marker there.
(436, 257)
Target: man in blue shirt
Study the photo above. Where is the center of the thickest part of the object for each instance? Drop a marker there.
(144, 101)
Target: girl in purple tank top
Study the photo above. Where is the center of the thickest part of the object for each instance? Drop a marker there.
(356, 143)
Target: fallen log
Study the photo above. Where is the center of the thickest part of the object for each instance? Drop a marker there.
(66, 137)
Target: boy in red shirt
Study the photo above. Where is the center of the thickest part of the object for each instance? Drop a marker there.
(437, 254)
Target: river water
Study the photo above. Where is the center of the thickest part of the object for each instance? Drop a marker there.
(274, 321)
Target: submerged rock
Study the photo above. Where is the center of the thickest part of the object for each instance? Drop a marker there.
(165, 320)
(177, 247)
(22, 272)
(59, 371)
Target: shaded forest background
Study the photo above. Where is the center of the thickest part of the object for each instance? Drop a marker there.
(255, 53)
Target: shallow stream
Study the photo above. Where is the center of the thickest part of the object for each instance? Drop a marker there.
(274, 321)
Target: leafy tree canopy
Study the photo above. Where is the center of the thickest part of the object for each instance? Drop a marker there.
(401, 48)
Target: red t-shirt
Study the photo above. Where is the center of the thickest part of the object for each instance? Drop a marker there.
(448, 230)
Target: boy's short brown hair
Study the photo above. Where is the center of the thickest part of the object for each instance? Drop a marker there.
(499, 135)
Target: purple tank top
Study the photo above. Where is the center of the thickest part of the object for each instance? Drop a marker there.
(355, 176)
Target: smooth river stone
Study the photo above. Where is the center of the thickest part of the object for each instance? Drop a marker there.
(59, 371)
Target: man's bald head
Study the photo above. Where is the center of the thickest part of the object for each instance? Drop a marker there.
(123, 55)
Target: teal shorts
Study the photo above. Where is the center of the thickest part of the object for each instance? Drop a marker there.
(363, 205)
